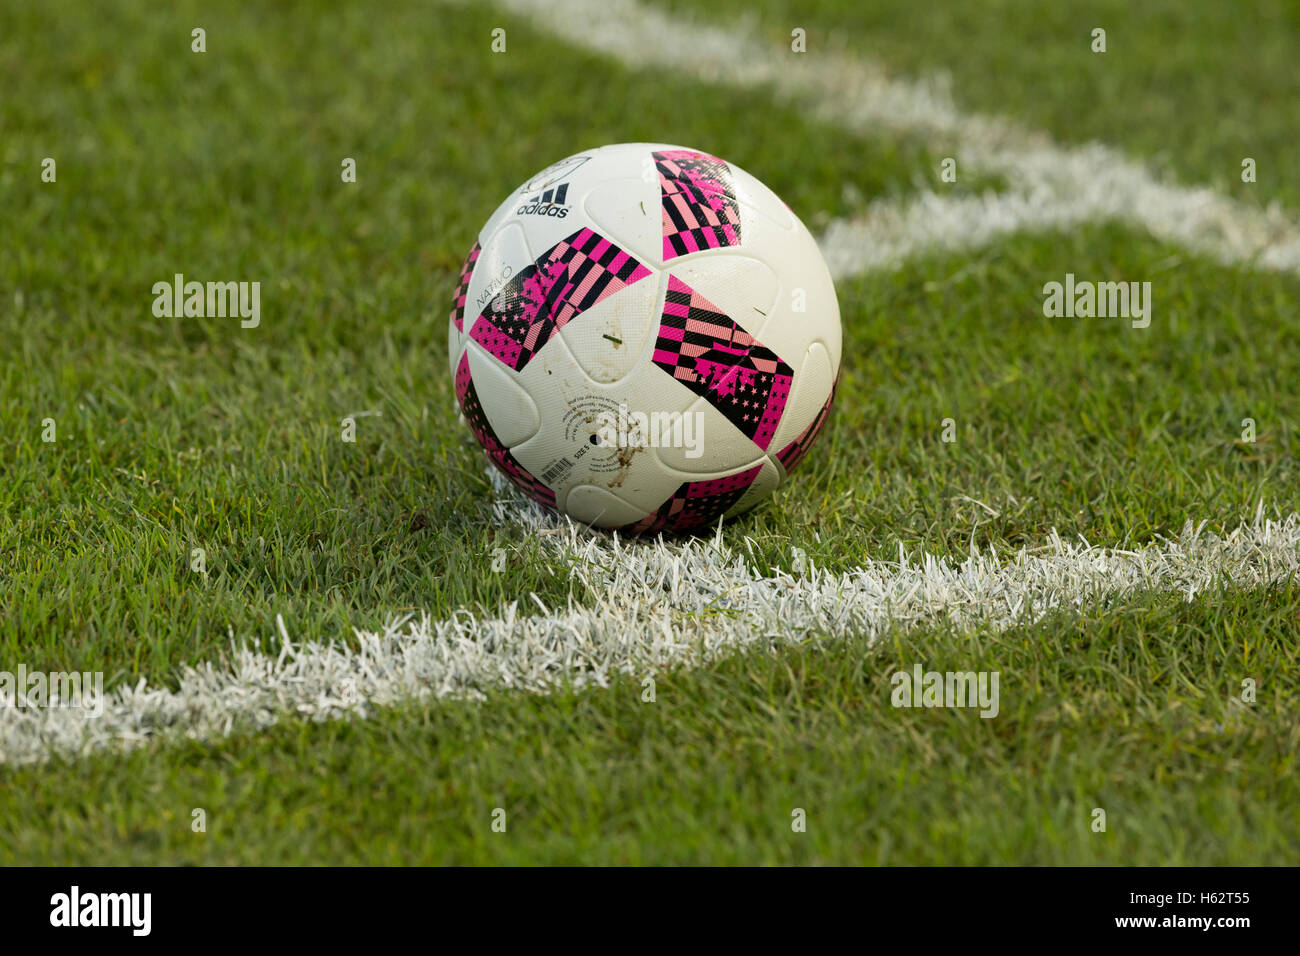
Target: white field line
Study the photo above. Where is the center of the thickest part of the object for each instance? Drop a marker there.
(656, 607)
(1050, 186)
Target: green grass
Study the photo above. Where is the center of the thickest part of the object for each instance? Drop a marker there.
(1127, 710)
(1088, 426)
(176, 434)
(1189, 87)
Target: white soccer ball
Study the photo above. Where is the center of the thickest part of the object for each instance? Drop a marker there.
(645, 338)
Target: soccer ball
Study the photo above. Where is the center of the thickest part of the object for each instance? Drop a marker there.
(645, 337)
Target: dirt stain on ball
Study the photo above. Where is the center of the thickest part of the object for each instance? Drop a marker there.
(624, 457)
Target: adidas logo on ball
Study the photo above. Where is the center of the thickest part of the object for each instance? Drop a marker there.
(549, 203)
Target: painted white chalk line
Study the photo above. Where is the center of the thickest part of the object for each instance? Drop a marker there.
(655, 606)
(1051, 186)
